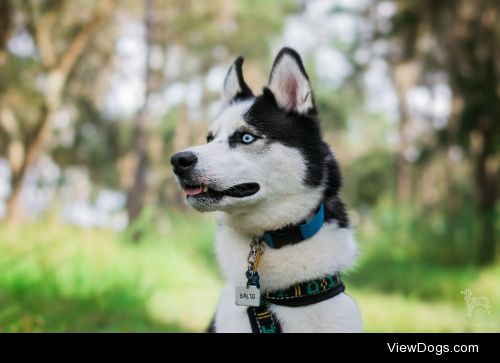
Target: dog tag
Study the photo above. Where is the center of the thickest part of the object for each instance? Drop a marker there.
(247, 296)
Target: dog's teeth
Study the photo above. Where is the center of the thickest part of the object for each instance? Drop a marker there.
(205, 189)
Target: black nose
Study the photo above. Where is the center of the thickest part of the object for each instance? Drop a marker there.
(183, 161)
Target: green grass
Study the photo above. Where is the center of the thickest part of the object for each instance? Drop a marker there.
(397, 294)
(60, 278)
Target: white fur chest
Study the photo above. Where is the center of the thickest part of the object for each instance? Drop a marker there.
(332, 249)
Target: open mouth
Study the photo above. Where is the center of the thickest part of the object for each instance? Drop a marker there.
(237, 191)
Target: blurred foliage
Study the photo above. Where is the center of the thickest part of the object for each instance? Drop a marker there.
(458, 40)
(368, 178)
(423, 192)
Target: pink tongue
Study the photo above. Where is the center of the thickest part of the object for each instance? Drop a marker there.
(193, 191)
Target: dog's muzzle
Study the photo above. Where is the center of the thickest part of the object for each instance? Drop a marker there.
(184, 163)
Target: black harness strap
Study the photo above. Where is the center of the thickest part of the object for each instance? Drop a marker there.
(309, 292)
(263, 320)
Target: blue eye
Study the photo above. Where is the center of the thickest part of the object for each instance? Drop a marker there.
(247, 138)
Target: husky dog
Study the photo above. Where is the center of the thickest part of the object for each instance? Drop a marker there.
(266, 169)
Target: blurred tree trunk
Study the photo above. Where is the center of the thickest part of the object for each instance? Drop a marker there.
(486, 181)
(452, 141)
(58, 71)
(6, 21)
(472, 52)
(8, 124)
(461, 39)
(403, 75)
(403, 71)
(136, 194)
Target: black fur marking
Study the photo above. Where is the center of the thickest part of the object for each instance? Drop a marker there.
(303, 133)
(211, 327)
(245, 91)
(235, 138)
(210, 137)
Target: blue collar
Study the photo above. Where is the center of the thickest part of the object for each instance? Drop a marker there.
(297, 233)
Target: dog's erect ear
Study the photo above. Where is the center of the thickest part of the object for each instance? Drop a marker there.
(289, 83)
(235, 87)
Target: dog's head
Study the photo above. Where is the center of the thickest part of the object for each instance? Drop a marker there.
(264, 158)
